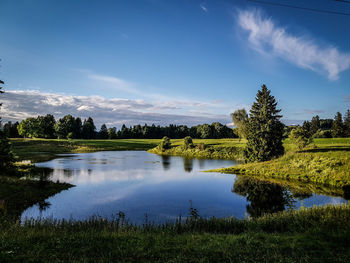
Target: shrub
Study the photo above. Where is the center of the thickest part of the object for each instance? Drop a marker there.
(188, 143)
(299, 137)
(165, 144)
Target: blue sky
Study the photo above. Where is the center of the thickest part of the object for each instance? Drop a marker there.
(164, 62)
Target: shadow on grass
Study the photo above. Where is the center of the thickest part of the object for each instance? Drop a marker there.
(328, 149)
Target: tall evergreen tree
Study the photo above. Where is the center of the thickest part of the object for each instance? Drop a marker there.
(264, 129)
(338, 129)
(103, 133)
(315, 124)
(89, 129)
(347, 123)
(6, 155)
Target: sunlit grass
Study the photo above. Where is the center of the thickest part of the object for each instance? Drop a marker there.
(326, 161)
(319, 234)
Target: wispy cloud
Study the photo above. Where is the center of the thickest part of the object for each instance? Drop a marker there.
(114, 82)
(309, 112)
(203, 7)
(268, 38)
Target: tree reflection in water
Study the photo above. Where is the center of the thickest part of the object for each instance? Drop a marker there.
(166, 162)
(264, 197)
(188, 165)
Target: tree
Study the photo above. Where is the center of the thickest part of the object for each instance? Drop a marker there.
(46, 125)
(300, 137)
(315, 124)
(103, 133)
(338, 129)
(64, 126)
(347, 123)
(78, 128)
(165, 144)
(6, 156)
(112, 133)
(89, 129)
(188, 143)
(264, 129)
(240, 119)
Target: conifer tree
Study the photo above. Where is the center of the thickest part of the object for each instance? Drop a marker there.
(338, 129)
(6, 155)
(347, 123)
(264, 129)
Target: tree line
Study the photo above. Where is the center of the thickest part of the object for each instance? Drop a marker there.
(339, 127)
(70, 127)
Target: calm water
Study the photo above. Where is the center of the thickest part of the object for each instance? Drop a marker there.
(140, 183)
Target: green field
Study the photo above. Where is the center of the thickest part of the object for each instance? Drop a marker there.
(46, 149)
(326, 162)
(307, 235)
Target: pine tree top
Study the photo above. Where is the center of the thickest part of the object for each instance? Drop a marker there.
(265, 106)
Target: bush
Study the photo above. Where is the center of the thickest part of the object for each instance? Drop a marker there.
(188, 143)
(165, 144)
(323, 134)
(70, 135)
(299, 137)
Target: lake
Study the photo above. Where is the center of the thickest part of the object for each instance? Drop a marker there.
(161, 188)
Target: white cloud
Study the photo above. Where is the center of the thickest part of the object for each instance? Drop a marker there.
(21, 104)
(266, 37)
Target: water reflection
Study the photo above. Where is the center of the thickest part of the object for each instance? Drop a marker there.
(140, 183)
(188, 165)
(166, 162)
(264, 197)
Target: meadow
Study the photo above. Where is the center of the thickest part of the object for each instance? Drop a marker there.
(319, 234)
(325, 162)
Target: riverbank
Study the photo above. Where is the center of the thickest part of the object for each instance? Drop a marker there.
(326, 162)
(230, 149)
(39, 150)
(319, 234)
(16, 194)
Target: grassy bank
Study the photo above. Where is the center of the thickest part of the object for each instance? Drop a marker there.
(307, 235)
(16, 194)
(206, 149)
(46, 149)
(326, 162)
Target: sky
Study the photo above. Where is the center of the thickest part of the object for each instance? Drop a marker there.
(182, 62)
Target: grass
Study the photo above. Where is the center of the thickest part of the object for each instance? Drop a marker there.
(320, 234)
(37, 150)
(16, 195)
(326, 162)
(231, 149)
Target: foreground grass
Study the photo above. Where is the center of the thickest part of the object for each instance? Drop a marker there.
(320, 234)
(326, 162)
